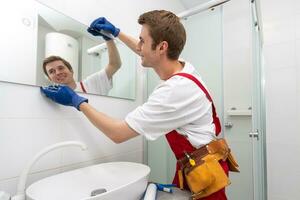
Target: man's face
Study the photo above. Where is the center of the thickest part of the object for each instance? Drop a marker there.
(149, 57)
(59, 73)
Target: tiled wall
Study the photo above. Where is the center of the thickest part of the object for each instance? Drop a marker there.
(281, 25)
(29, 122)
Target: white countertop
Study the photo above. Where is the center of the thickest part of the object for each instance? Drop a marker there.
(176, 195)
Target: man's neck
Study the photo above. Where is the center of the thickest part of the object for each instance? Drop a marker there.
(166, 69)
(72, 85)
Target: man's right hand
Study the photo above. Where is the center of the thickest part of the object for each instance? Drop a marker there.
(102, 24)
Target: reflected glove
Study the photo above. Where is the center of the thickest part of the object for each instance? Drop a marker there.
(63, 95)
(102, 24)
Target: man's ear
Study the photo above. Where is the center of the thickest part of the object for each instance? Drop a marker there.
(163, 46)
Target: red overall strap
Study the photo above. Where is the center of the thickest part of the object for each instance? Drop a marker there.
(179, 143)
(216, 119)
(82, 87)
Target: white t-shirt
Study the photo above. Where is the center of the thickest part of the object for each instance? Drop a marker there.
(97, 83)
(176, 104)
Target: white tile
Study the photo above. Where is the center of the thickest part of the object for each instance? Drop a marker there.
(78, 166)
(283, 177)
(113, 107)
(297, 26)
(9, 186)
(279, 197)
(21, 139)
(83, 131)
(23, 101)
(297, 42)
(98, 144)
(297, 7)
(281, 90)
(279, 129)
(282, 55)
(133, 156)
(281, 112)
(281, 101)
(276, 154)
(298, 100)
(275, 9)
(278, 31)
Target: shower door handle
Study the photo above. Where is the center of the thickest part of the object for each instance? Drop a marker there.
(254, 134)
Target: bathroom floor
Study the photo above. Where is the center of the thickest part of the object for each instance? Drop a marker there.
(176, 195)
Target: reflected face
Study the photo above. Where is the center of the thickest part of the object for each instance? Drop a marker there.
(149, 56)
(59, 73)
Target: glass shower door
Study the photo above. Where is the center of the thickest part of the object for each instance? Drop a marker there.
(258, 133)
(244, 105)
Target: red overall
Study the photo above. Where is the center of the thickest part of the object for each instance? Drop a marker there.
(82, 87)
(179, 143)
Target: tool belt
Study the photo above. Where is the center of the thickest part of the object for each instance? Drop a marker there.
(202, 171)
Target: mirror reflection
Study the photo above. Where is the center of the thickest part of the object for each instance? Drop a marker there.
(43, 46)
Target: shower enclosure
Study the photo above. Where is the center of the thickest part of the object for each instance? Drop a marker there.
(228, 58)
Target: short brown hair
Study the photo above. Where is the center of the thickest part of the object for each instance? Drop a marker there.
(165, 26)
(55, 58)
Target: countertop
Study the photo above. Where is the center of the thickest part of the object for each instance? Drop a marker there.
(176, 195)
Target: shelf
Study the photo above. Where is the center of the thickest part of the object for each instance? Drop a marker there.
(239, 112)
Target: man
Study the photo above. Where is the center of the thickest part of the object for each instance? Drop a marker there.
(179, 108)
(60, 71)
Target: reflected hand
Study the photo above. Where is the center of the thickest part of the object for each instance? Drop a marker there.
(63, 95)
(102, 24)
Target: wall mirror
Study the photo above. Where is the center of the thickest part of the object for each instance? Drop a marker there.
(33, 31)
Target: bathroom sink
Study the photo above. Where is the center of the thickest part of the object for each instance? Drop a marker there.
(107, 181)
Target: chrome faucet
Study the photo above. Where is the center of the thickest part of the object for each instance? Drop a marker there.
(23, 177)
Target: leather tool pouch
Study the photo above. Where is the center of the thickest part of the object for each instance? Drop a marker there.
(204, 175)
(232, 163)
(198, 177)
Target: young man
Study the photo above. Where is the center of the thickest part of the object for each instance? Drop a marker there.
(179, 108)
(59, 71)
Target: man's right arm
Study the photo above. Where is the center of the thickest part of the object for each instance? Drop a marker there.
(102, 24)
(117, 130)
(129, 41)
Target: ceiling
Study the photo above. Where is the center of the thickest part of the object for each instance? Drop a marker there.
(192, 3)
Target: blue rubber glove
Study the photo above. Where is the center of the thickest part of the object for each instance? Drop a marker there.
(97, 33)
(63, 95)
(102, 24)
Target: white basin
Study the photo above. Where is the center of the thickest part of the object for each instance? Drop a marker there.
(121, 180)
